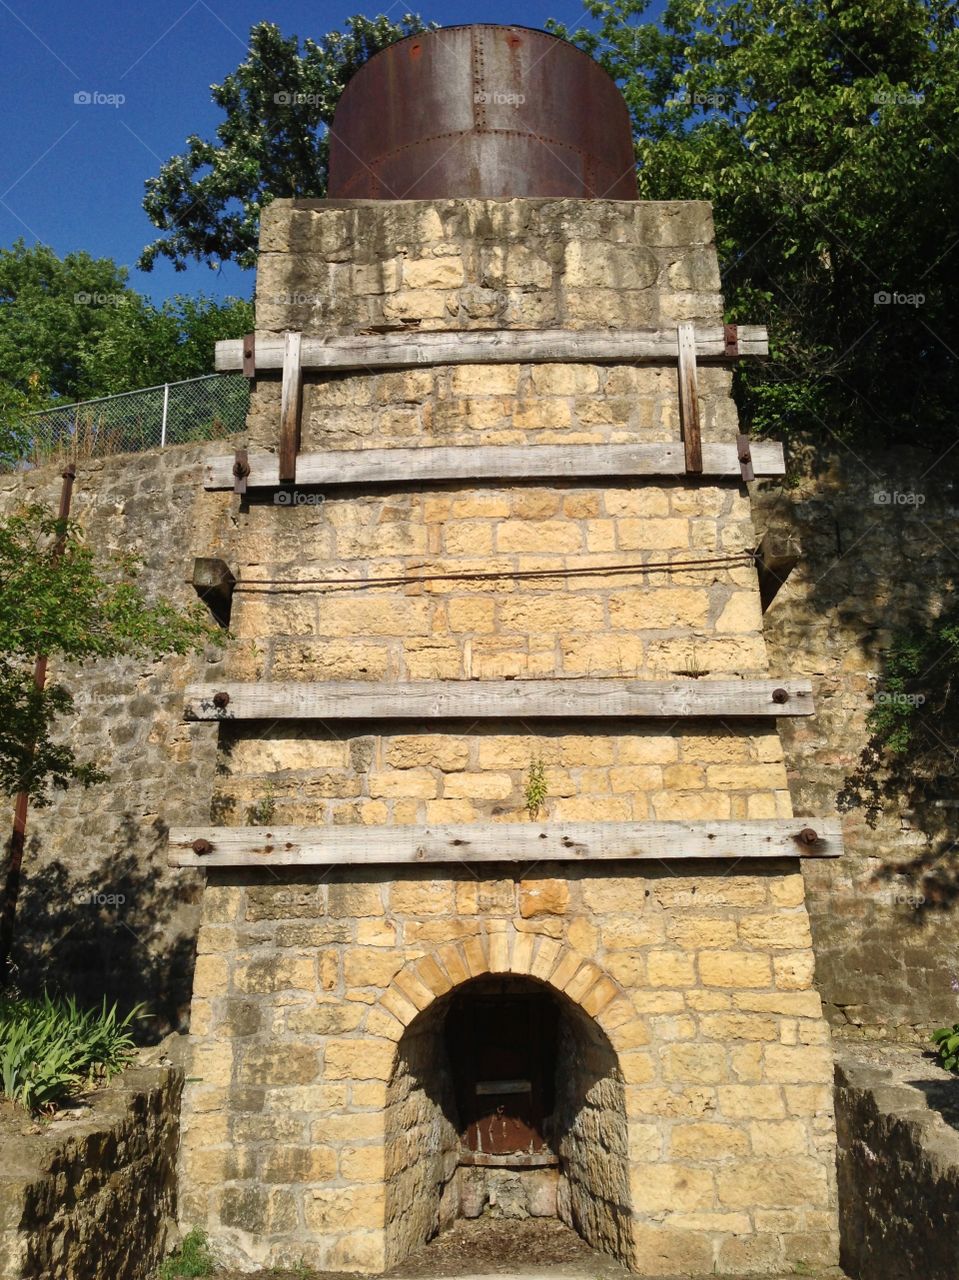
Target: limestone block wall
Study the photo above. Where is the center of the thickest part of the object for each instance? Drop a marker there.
(362, 266)
(698, 978)
(703, 1030)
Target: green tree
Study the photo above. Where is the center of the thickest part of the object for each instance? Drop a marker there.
(142, 345)
(826, 135)
(278, 104)
(51, 310)
(72, 329)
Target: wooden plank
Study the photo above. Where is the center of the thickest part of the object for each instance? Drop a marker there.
(290, 399)
(776, 557)
(495, 462)
(485, 346)
(536, 842)
(491, 699)
(689, 427)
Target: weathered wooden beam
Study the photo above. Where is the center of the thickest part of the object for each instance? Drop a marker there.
(485, 346)
(745, 454)
(248, 355)
(199, 846)
(776, 557)
(491, 699)
(494, 462)
(290, 400)
(689, 427)
(213, 582)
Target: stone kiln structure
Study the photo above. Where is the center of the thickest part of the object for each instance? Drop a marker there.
(418, 993)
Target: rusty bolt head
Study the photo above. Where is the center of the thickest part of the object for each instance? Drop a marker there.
(221, 699)
(780, 696)
(808, 836)
(202, 846)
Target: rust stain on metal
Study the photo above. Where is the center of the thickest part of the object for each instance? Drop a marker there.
(485, 111)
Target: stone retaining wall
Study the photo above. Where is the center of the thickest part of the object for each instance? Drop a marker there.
(898, 1163)
(94, 1194)
(872, 565)
(100, 910)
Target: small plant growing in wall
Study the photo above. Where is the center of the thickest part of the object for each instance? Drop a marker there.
(535, 792)
(193, 1258)
(946, 1040)
(263, 811)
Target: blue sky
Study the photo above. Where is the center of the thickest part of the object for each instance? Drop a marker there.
(71, 175)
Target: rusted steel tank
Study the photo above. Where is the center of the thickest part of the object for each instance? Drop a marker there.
(481, 110)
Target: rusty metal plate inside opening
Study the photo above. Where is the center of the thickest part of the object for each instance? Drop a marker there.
(484, 111)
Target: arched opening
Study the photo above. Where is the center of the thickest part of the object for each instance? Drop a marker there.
(506, 1098)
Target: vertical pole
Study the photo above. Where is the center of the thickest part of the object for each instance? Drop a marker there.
(11, 887)
(291, 392)
(166, 410)
(689, 398)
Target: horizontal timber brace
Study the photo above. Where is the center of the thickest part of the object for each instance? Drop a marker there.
(491, 346)
(503, 842)
(494, 462)
(470, 699)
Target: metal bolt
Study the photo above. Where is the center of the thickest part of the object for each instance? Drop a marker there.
(807, 836)
(202, 846)
(780, 696)
(221, 699)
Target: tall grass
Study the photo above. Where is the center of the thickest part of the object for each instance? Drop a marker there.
(50, 1049)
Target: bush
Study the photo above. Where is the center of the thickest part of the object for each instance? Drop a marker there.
(50, 1049)
(946, 1040)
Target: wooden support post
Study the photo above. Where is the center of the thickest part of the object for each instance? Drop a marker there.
(776, 557)
(689, 399)
(290, 398)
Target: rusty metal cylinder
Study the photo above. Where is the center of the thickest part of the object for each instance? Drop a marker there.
(485, 111)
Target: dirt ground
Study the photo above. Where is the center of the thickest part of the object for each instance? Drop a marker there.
(533, 1247)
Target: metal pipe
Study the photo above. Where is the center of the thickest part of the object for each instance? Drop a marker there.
(166, 410)
(12, 880)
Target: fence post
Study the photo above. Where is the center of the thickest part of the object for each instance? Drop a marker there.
(166, 407)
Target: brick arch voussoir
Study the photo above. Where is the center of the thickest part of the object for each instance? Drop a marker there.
(507, 950)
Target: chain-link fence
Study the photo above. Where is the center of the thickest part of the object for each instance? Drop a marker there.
(206, 408)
